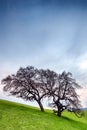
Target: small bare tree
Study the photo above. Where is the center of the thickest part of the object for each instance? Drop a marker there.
(64, 95)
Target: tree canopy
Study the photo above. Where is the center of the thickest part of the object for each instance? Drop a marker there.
(35, 84)
(29, 83)
(65, 96)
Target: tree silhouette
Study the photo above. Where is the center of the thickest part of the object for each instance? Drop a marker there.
(26, 83)
(64, 95)
(31, 84)
(35, 84)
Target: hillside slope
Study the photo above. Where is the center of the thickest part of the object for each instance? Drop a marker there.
(14, 116)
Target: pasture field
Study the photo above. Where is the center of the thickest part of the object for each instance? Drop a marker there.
(15, 116)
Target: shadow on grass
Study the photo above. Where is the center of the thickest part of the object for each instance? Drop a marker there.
(76, 124)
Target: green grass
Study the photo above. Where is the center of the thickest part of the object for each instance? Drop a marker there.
(14, 116)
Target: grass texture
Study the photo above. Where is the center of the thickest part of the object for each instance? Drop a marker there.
(15, 116)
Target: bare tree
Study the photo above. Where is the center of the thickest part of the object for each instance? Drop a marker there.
(27, 84)
(64, 95)
(31, 84)
(35, 84)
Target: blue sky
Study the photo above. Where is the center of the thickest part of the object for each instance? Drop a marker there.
(46, 34)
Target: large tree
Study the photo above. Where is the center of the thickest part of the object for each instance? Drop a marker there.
(26, 84)
(64, 95)
(30, 84)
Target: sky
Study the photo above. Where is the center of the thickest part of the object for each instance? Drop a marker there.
(45, 34)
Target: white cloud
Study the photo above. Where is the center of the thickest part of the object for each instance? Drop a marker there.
(83, 65)
(83, 62)
(83, 96)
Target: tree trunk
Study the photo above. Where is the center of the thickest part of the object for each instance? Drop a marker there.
(59, 112)
(41, 106)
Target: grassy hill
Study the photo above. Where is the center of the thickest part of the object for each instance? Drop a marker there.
(15, 116)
